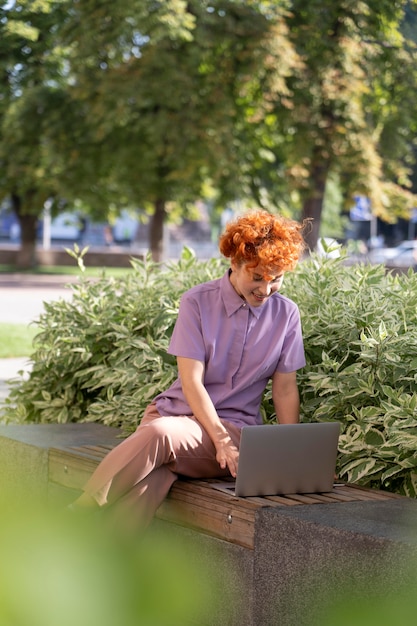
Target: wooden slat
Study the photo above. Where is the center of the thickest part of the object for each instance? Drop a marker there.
(73, 467)
(324, 498)
(279, 501)
(211, 512)
(370, 494)
(96, 449)
(70, 471)
(302, 498)
(360, 494)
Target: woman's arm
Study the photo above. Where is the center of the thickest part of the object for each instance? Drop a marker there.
(285, 397)
(191, 374)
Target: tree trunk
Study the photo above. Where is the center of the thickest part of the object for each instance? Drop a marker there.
(156, 234)
(313, 204)
(26, 256)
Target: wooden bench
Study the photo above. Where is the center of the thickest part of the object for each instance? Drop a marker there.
(194, 503)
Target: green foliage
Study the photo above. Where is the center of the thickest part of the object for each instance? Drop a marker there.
(102, 357)
(360, 331)
(77, 572)
(264, 101)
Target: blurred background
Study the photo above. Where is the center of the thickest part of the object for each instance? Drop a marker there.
(147, 126)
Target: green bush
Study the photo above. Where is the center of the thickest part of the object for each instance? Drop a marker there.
(102, 357)
(360, 330)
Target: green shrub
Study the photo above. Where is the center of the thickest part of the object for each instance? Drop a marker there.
(102, 357)
(360, 331)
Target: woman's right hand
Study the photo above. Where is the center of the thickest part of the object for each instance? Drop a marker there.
(227, 454)
(191, 374)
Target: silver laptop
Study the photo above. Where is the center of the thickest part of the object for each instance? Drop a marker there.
(282, 459)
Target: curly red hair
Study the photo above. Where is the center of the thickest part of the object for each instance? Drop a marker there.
(260, 238)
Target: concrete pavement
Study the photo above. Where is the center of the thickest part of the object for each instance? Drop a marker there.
(9, 368)
(22, 298)
(22, 295)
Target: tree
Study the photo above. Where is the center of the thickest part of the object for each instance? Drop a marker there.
(166, 85)
(344, 112)
(31, 69)
(352, 104)
(134, 104)
(141, 103)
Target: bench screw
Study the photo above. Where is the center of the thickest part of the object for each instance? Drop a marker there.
(229, 518)
(66, 469)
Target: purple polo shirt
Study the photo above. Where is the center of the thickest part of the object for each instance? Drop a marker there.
(241, 347)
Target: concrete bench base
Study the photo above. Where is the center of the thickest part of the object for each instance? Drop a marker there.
(271, 561)
(25, 450)
(303, 562)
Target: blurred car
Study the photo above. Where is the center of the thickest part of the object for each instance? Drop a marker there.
(125, 228)
(66, 226)
(9, 225)
(403, 255)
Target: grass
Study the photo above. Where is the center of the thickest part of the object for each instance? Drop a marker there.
(66, 270)
(16, 340)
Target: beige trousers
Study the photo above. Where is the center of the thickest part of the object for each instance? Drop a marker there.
(137, 474)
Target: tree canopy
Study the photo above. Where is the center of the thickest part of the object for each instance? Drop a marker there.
(142, 103)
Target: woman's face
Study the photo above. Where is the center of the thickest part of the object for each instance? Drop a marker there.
(254, 284)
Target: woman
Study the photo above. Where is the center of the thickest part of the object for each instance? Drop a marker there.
(231, 337)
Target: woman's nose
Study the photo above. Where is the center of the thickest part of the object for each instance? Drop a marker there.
(266, 289)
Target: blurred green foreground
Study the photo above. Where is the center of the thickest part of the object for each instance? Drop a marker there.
(57, 569)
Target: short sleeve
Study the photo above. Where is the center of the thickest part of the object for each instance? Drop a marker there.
(187, 337)
(292, 355)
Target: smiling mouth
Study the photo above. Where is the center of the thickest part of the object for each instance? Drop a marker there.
(258, 297)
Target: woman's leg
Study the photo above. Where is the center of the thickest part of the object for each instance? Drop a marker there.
(141, 470)
(135, 509)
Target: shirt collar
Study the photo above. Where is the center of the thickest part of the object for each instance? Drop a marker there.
(231, 300)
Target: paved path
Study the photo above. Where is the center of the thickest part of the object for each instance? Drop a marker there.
(9, 368)
(22, 298)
